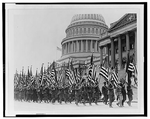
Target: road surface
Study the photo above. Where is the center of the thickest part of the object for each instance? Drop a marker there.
(49, 108)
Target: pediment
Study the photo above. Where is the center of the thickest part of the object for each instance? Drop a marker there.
(125, 20)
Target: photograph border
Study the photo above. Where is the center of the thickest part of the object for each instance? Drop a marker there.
(76, 3)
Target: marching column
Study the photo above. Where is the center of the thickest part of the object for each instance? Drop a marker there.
(120, 52)
(112, 53)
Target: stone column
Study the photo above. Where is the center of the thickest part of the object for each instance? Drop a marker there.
(108, 53)
(112, 53)
(77, 43)
(81, 45)
(86, 45)
(91, 46)
(107, 56)
(66, 48)
(96, 46)
(135, 46)
(128, 51)
(127, 42)
(119, 53)
(101, 54)
(69, 47)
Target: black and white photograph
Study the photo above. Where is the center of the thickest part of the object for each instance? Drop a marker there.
(74, 59)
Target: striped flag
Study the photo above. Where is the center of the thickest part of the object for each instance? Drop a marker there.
(69, 75)
(91, 75)
(104, 73)
(78, 75)
(71, 78)
(115, 79)
(132, 67)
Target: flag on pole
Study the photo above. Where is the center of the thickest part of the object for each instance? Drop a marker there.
(91, 60)
(59, 49)
(104, 73)
(41, 72)
(129, 73)
(132, 67)
(115, 78)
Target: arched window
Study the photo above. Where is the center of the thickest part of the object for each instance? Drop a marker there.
(101, 31)
(92, 30)
(88, 30)
(96, 31)
(69, 33)
(81, 30)
(84, 30)
(77, 30)
(72, 31)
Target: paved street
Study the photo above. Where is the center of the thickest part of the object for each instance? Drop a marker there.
(48, 108)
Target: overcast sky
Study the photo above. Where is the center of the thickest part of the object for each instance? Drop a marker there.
(34, 32)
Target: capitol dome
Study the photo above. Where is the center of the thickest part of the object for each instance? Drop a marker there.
(82, 36)
(88, 17)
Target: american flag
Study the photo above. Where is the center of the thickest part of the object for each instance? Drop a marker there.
(115, 78)
(104, 73)
(91, 75)
(70, 76)
(132, 67)
(78, 75)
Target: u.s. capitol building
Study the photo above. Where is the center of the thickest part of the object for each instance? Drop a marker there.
(82, 37)
(88, 34)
